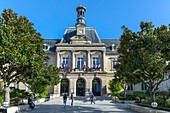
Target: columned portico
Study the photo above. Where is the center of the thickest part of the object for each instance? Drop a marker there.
(84, 60)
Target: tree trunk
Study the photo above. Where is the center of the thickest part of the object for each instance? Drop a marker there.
(124, 93)
(152, 93)
(7, 94)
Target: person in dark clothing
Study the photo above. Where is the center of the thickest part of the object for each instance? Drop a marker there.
(31, 103)
(72, 99)
(65, 99)
(92, 98)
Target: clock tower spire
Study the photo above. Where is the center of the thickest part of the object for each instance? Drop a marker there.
(81, 21)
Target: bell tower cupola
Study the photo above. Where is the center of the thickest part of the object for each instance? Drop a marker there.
(81, 21)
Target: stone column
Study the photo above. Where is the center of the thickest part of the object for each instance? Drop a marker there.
(103, 62)
(73, 59)
(58, 58)
(75, 80)
(88, 59)
(57, 90)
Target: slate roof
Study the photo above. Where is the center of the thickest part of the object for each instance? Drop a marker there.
(90, 32)
(109, 42)
(52, 43)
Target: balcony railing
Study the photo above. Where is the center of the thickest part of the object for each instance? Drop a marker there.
(87, 70)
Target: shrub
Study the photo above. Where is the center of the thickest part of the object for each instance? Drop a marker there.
(167, 103)
(139, 94)
(162, 93)
(18, 93)
(147, 101)
(1, 95)
(130, 97)
(160, 101)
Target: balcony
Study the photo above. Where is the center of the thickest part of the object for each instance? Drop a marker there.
(77, 70)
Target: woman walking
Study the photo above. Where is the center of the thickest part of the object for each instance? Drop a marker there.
(65, 100)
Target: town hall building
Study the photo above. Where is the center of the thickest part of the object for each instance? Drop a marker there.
(86, 62)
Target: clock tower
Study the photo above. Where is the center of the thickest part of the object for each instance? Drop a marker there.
(81, 21)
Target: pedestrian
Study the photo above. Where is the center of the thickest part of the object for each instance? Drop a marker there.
(72, 99)
(65, 99)
(31, 103)
(92, 98)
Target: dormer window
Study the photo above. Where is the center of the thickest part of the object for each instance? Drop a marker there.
(46, 47)
(114, 47)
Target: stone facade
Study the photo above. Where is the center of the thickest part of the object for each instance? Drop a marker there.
(86, 62)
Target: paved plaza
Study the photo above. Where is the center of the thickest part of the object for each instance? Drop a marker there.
(101, 106)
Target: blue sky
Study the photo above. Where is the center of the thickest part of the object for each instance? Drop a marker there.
(51, 17)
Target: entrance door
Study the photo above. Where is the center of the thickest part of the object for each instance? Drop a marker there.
(64, 86)
(96, 87)
(80, 87)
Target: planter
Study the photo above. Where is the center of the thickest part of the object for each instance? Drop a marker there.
(115, 99)
(41, 100)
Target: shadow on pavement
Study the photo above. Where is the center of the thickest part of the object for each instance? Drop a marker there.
(46, 108)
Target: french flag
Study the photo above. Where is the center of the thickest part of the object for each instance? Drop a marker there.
(66, 67)
(84, 65)
(99, 66)
(95, 66)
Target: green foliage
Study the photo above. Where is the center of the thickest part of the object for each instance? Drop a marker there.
(46, 76)
(18, 93)
(115, 87)
(147, 101)
(139, 94)
(160, 101)
(162, 94)
(22, 49)
(143, 55)
(167, 103)
(1, 95)
(43, 92)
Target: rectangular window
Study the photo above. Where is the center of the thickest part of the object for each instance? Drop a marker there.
(130, 87)
(143, 86)
(114, 63)
(114, 48)
(95, 62)
(80, 63)
(64, 62)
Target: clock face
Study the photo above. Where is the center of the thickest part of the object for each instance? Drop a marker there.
(81, 31)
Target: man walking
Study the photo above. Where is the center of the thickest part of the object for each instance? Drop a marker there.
(65, 100)
(72, 99)
(92, 98)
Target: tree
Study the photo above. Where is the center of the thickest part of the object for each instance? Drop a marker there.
(46, 76)
(21, 50)
(115, 87)
(143, 56)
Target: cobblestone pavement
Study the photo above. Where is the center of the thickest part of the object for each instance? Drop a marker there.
(101, 106)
